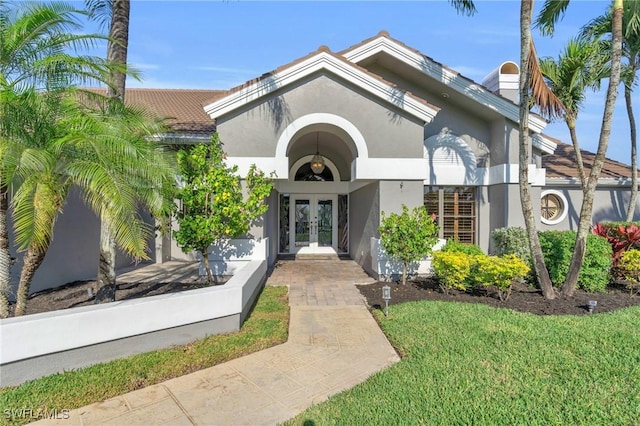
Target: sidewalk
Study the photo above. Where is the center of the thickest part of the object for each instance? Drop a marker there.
(334, 344)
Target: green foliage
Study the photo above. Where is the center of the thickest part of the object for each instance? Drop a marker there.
(266, 326)
(456, 246)
(629, 267)
(557, 247)
(408, 237)
(213, 206)
(595, 274)
(512, 240)
(452, 269)
(621, 235)
(499, 271)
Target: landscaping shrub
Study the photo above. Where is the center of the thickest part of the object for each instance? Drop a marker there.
(595, 274)
(456, 246)
(622, 236)
(409, 236)
(499, 271)
(452, 269)
(557, 247)
(629, 267)
(512, 240)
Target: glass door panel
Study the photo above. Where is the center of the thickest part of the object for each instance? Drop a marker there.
(302, 235)
(314, 220)
(324, 210)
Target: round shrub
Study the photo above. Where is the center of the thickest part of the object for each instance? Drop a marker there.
(452, 269)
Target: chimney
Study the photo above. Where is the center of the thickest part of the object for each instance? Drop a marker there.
(504, 80)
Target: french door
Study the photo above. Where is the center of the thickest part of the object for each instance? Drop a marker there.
(314, 219)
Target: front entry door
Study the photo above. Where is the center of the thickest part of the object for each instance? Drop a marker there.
(314, 219)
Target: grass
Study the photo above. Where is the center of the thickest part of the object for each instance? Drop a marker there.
(266, 326)
(473, 364)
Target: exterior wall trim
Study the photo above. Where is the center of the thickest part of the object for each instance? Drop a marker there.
(300, 123)
(482, 176)
(306, 159)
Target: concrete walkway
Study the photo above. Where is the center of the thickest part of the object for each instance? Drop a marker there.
(334, 344)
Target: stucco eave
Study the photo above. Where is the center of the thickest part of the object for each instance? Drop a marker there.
(328, 62)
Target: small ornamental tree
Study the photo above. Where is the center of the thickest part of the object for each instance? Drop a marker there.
(214, 208)
(408, 237)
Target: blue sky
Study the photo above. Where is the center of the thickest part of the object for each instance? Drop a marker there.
(220, 44)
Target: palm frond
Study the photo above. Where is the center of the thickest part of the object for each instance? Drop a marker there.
(552, 12)
(549, 105)
(465, 7)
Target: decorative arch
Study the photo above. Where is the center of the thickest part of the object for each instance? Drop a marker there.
(306, 159)
(320, 118)
(451, 154)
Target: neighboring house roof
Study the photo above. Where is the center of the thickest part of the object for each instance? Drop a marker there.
(562, 164)
(322, 60)
(182, 108)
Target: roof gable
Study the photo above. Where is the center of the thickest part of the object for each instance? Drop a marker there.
(322, 60)
(383, 43)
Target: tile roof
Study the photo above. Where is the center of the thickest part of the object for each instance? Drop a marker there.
(182, 108)
(562, 164)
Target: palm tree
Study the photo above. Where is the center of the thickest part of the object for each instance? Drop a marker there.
(568, 77)
(35, 41)
(116, 12)
(600, 27)
(549, 15)
(531, 86)
(104, 151)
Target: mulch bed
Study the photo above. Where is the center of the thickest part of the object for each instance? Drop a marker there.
(78, 293)
(523, 298)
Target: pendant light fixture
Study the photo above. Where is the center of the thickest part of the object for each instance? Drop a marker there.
(317, 162)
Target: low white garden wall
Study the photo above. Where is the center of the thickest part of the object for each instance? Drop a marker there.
(36, 345)
(389, 270)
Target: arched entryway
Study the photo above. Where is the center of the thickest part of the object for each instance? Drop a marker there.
(314, 204)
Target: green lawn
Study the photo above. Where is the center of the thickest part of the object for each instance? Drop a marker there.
(472, 364)
(266, 326)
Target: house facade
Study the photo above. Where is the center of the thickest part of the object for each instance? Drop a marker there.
(391, 127)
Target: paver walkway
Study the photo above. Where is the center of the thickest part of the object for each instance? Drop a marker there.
(334, 344)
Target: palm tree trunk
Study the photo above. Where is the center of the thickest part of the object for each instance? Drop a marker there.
(576, 147)
(584, 224)
(634, 154)
(118, 46)
(32, 260)
(105, 290)
(526, 46)
(5, 255)
(116, 53)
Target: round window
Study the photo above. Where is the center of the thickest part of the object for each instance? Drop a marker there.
(552, 207)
